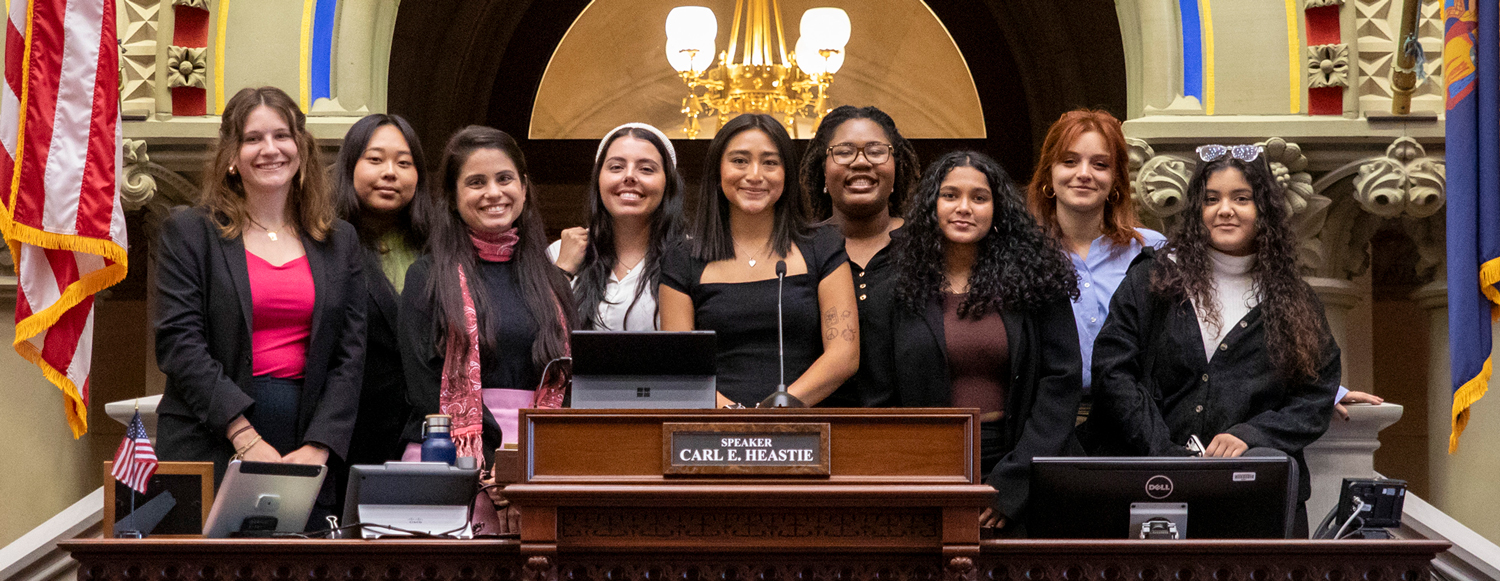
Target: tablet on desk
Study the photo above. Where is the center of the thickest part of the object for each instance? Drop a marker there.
(644, 370)
(262, 498)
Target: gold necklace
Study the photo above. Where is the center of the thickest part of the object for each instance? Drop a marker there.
(269, 232)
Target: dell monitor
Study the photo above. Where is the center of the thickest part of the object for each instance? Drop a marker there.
(1193, 498)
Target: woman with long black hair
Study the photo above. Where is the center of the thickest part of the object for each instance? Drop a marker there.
(484, 311)
(379, 171)
(1216, 338)
(982, 319)
(723, 277)
(635, 212)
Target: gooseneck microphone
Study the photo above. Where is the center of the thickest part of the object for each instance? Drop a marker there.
(781, 398)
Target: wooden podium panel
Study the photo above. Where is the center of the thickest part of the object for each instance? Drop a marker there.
(489, 560)
(884, 446)
(895, 480)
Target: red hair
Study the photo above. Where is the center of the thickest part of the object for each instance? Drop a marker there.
(1120, 220)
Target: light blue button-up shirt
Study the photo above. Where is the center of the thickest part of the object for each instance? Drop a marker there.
(1098, 277)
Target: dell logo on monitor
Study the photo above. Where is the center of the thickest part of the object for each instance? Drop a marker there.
(1159, 487)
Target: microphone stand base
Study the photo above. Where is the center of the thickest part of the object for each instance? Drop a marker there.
(781, 399)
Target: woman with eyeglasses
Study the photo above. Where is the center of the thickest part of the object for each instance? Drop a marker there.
(857, 172)
(724, 276)
(1080, 193)
(981, 320)
(1216, 339)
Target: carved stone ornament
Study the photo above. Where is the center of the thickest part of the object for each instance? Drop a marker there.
(192, 3)
(1308, 209)
(138, 186)
(1405, 181)
(186, 66)
(1161, 185)
(1328, 65)
(1321, 3)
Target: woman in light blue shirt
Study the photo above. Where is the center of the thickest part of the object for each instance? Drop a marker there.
(1080, 194)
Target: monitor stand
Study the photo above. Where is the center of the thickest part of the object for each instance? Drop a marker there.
(1158, 520)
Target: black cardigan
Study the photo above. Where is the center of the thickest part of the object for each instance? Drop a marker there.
(1041, 404)
(1154, 387)
(203, 324)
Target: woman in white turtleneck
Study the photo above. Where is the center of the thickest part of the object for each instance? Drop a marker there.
(1222, 340)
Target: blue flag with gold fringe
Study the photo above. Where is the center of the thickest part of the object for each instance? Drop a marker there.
(1471, 70)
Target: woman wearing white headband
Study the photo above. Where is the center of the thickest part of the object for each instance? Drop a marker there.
(635, 211)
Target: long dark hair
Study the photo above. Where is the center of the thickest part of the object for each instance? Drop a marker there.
(1018, 266)
(346, 198)
(711, 239)
(1294, 335)
(600, 258)
(543, 286)
(819, 203)
(309, 207)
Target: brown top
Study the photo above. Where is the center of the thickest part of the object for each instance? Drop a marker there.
(978, 358)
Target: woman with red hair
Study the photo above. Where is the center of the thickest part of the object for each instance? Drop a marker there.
(1080, 193)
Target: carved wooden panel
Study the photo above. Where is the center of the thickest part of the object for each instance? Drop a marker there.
(749, 526)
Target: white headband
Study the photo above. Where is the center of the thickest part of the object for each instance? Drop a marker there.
(672, 153)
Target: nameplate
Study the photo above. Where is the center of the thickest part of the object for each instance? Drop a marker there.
(743, 449)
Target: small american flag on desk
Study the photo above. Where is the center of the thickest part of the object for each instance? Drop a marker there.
(135, 461)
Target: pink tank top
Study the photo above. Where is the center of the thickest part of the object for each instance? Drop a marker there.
(281, 298)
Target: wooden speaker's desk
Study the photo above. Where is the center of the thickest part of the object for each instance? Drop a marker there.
(481, 560)
(748, 495)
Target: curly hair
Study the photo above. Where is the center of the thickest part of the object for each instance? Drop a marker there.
(309, 206)
(599, 259)
(819, 203)
(1018, 267)
(1294, 336)
(1120, 220)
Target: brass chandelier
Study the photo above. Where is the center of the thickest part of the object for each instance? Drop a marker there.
(756, 74)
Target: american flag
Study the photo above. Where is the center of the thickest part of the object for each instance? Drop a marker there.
(60, 159)
(135, 461)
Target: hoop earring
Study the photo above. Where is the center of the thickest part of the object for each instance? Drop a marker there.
(1047, 191)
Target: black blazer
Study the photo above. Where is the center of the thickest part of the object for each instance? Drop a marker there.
(203, 323)
(383, 410)
(1041, 405)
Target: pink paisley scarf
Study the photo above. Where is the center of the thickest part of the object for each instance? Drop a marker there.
(460, 397)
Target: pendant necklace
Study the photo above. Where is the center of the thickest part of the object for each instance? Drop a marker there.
(751, 261)
(269, 232)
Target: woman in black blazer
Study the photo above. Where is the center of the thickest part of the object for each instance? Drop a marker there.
(982, 318)
(258, 366)
(379, 171)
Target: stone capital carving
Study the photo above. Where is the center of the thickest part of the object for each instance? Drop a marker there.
(1321, 3)
(1309, 209)
(1328, 65)
(1158, 182)
(1405, 181)
(192, 3)
(187, 66)
(138, 187)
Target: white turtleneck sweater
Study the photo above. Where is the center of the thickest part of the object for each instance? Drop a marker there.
(1234, 294)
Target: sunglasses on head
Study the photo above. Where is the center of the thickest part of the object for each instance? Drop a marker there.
(1216, 152)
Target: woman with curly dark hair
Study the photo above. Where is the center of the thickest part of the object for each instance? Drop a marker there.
(858, 171)
(1220, 341)
(982, 320)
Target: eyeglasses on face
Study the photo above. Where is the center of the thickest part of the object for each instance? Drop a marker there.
(875, 152)
(1216, 152)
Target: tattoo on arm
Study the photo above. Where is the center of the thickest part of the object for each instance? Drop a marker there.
(849, 333)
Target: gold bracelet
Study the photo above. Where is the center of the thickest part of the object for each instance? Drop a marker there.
(241, 452)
